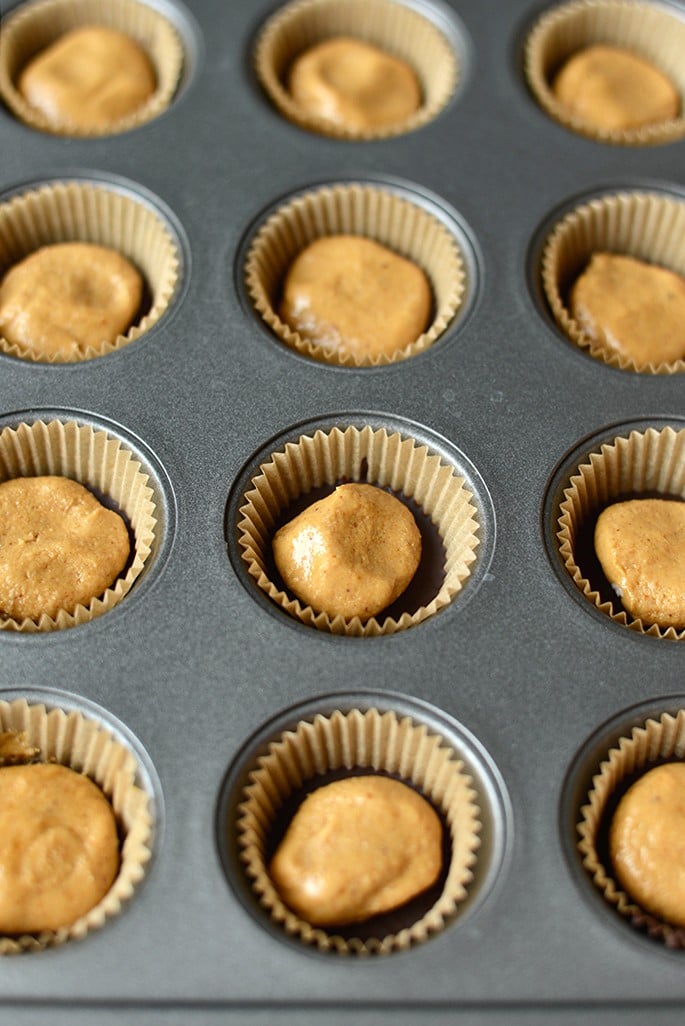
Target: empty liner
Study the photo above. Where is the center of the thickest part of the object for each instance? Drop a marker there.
(362, 210)
(378, 742)
(74, 740)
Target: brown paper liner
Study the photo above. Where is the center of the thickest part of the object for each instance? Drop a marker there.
(73, 740)
(101, 463)
(386, 460)
(662, 739)
(366, 211)
(390, 26)
(82, 212)
(380, 742)
(646, 463)
(647, 30)
(36, 25)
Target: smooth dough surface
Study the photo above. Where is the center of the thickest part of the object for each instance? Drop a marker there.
(63, 299)
(90, 77)
(354, 84)
(357, 848)
(59, 546)
(641, 546)
(59, 850)
(646, 842)
(614, 89)
(354, 296)
(350, 554)
(632, 308)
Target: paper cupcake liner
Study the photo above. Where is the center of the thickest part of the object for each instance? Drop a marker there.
(101, 463)
(646, 226)
(662, 739)
(366, 211)
(648, 30)
(378, 742)
(82, 212)
(73, 740)
(386, 460)
(392, 27)
(646, 463)
(35, 26)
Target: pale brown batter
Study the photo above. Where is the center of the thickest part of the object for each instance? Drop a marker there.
(632, 308)
(641, 546)
(357, 848)
(614, 89)
(647, 842)
(59, 850)
(59, 547)
(354, 296)
(91, 77)
(354, 84)
(67, 297)
(350, 554)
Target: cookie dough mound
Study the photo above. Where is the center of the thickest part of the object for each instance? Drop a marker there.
(91, 77)
(646, 842)
(59, 547)
(357, 848)
(350, 554)
(631, 308)
(641, 546)
(354, 84)
(68, 297)
(59, 849)
(354, 296)
(615, 90)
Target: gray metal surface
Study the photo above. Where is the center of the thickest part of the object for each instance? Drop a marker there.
(194, 664)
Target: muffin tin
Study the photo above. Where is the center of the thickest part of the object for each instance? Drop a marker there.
(196, 669)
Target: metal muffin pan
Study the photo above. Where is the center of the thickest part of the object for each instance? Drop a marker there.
(196, 666)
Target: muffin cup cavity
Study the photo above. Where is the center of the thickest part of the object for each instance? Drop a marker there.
(361, 210)
(35, 26)
(111, 471)
(392, 27)
(647, 30)
(76, 741)
(377, 457)
(658, 740)
(643, 464)
(378, 742)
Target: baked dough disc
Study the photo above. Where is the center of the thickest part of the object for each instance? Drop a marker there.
(59, 849)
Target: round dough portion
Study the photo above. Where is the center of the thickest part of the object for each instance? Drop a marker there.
(614, 89)
(59, 546)
(354, 296)
(632, 308)
(350, 554)
(59, 849)
(90, 77)
(357, 848)
(354, 84)
(641, 546)
(646, 842)
(63, 299)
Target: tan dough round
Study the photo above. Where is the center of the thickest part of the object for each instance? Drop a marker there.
(641, 546)
(614, 89)
(59, 546)
(630, 307)
(354, 84)
(350, 554)
(354, 296)
(91, 77)
(646, 842)
(65, 298)
(59, 849)
(357, 848)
